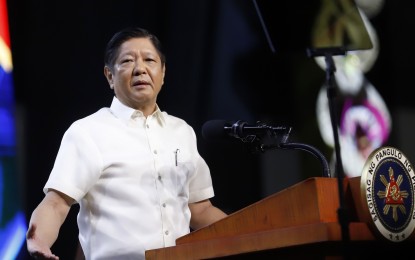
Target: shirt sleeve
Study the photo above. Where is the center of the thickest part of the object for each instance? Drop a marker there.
(78, 164)
(201, 186)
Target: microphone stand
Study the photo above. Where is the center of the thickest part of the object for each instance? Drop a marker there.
(342, 211)
(283, 143)
(303, 147)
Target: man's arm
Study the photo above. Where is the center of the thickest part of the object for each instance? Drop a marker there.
(45, 223)
(204, 213)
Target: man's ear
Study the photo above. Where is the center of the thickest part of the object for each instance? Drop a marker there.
(164, 73)
(108, 75)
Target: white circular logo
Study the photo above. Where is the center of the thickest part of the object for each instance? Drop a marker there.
(387, 188)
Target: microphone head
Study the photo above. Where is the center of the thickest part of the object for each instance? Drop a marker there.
(215, 129)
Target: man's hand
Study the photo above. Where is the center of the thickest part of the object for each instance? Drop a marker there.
(37, 249)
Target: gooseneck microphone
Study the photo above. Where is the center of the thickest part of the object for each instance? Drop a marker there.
(221, 129)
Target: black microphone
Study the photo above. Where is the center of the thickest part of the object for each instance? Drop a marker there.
(221, 129)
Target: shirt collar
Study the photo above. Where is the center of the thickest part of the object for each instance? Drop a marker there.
(125, 112)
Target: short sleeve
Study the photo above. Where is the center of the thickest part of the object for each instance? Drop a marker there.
(78, 164)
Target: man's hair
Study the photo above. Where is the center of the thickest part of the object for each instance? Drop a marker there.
(113, 46)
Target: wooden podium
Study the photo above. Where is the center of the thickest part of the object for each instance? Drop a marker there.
(299, 222)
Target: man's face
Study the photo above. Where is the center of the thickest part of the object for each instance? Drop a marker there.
(138, 73)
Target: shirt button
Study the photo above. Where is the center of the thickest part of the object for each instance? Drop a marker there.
(166, 232)
(164, 205)
(147, 126)
(155, 151)
(159, 177)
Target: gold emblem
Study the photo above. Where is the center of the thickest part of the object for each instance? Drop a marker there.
(393, 195)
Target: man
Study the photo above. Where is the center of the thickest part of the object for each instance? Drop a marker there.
(134, 170)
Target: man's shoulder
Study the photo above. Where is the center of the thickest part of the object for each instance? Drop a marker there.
(173, 120)
(100, 113)
(97, 117)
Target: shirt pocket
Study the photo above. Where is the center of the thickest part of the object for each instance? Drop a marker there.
(184, 168)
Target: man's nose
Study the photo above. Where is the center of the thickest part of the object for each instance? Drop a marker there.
(139, 67)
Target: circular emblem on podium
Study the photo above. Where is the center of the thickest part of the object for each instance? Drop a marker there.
(387, 188)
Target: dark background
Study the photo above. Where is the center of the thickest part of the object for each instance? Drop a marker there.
(219, 66)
